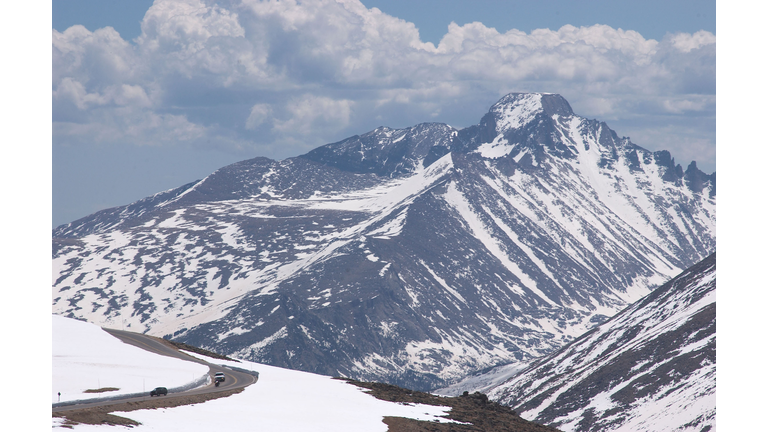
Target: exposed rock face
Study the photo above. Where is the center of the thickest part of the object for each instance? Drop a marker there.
(411, 256)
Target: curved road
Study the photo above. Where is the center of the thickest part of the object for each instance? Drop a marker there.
(234, 379)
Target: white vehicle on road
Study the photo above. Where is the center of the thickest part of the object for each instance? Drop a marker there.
(218, 378)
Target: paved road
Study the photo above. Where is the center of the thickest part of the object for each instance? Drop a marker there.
(234, 379)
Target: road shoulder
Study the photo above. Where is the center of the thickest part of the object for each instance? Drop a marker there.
(101, 414)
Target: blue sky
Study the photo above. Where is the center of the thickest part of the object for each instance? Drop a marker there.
(653, 19)
(176, 91)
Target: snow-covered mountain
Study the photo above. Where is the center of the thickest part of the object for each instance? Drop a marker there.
(411, 256)
(649, 368)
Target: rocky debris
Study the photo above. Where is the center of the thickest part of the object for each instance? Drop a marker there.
(475, 411)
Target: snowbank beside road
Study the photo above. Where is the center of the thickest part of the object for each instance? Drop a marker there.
(282, 400)
(86, 357)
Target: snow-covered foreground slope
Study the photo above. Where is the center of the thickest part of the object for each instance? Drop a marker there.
(284, 400)
(650, 368)
(281, 401)
(86, 357)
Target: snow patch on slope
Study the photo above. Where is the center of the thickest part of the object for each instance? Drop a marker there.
(516, 114)
(499, 147)
(455, 198)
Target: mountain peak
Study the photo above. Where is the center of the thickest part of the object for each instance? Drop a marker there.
(518, 109)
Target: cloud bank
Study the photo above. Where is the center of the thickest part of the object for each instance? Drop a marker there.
(276, 79)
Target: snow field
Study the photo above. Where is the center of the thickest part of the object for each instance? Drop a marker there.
(86, 357)
(287, 400)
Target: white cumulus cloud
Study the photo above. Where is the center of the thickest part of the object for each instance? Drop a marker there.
(310, 114)
(687, 42)
(252, 73)
(260, 113)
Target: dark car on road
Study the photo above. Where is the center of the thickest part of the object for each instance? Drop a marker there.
(159, 391)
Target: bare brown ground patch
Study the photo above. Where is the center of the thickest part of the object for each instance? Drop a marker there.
(475, 410)
(95, 418)
(102, 390)
(101, 415)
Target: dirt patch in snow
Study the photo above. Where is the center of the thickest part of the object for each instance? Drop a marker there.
(102, 390)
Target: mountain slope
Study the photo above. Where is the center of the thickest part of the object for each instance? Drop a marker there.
(649, 368)
(411, 256)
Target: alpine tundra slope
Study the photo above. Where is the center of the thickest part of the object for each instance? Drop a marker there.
(411, 256)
